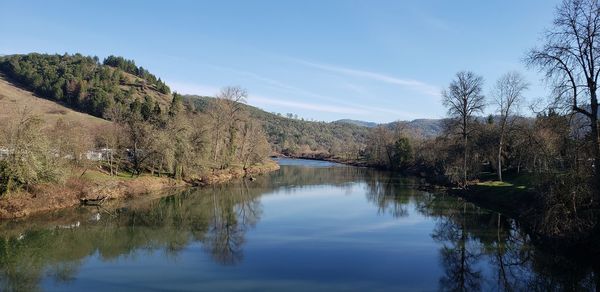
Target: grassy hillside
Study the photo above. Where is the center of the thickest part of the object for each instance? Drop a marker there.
(299, 137)
(83, 83)
(13, 100)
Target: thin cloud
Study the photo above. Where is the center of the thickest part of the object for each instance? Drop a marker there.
(397, 114)
(266, 80)
(261, 100)
(417, 85)
(340, 106)
(207, 90)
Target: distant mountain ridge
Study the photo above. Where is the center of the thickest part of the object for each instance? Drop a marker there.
(299, 137)
(84, 84)
(424, 127)
(358, 123)
(305, 138)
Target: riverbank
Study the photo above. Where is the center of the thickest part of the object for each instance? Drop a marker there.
(94, 185)
(514, 197)
(519, 196)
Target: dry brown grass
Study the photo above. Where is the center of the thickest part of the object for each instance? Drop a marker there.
(43, 197)
(95, 184)
(47, 197)
(13, 100)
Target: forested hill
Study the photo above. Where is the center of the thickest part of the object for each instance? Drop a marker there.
(294, 136)
(115, 84)
(426, 128)
(86, 84)
(301, 137)
(358, 123)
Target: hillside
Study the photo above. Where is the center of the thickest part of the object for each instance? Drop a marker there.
(358, 123)
(13, 100)
(84, 84)
(300, 137)
(420, 127)
(426, 128)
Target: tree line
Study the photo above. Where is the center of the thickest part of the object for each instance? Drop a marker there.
(301, 138)
(177, 141)
(556, 147)
(129, 66)
(82, 82)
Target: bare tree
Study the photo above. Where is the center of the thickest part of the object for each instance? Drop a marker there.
(30, 158)
(380, 138)
(226, 112)
(254, 146)
(112, 137)
(570, 58)
(508, 94)
(463, 98)
(69, 142)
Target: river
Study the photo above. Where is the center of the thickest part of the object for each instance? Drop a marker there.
(311, 226)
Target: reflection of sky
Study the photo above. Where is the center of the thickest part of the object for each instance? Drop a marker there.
(318, 237)
(331, 215)
(307, 163)
(299, 229)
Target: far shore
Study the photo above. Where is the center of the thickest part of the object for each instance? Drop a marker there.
(513, 197)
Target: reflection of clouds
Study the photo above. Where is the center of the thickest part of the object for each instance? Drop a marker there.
(317, 218)
(354, 234)
(380, 226)
(287, 285)
(302, 193)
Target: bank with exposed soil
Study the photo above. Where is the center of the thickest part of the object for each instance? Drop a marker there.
(97, 186)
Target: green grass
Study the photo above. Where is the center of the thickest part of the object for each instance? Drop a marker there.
(99, 176)
(521, 181)
(495, 183)
(510, 196)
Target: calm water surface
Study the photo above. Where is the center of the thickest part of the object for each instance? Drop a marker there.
(311, 226)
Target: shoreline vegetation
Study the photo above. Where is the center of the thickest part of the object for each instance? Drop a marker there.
(95, 185)
(114, 130)
(543, 167)
(514, 196)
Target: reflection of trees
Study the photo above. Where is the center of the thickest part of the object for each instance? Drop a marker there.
(509, 254)
(218, 217)
(297, 177)
(472, 237)
(389, 193)
(459, 253)
(230, 221)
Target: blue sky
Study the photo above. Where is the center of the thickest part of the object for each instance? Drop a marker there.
(324, 60)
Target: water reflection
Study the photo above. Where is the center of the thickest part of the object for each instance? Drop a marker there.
(50, 246)
(483, 250)
(478, 249)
